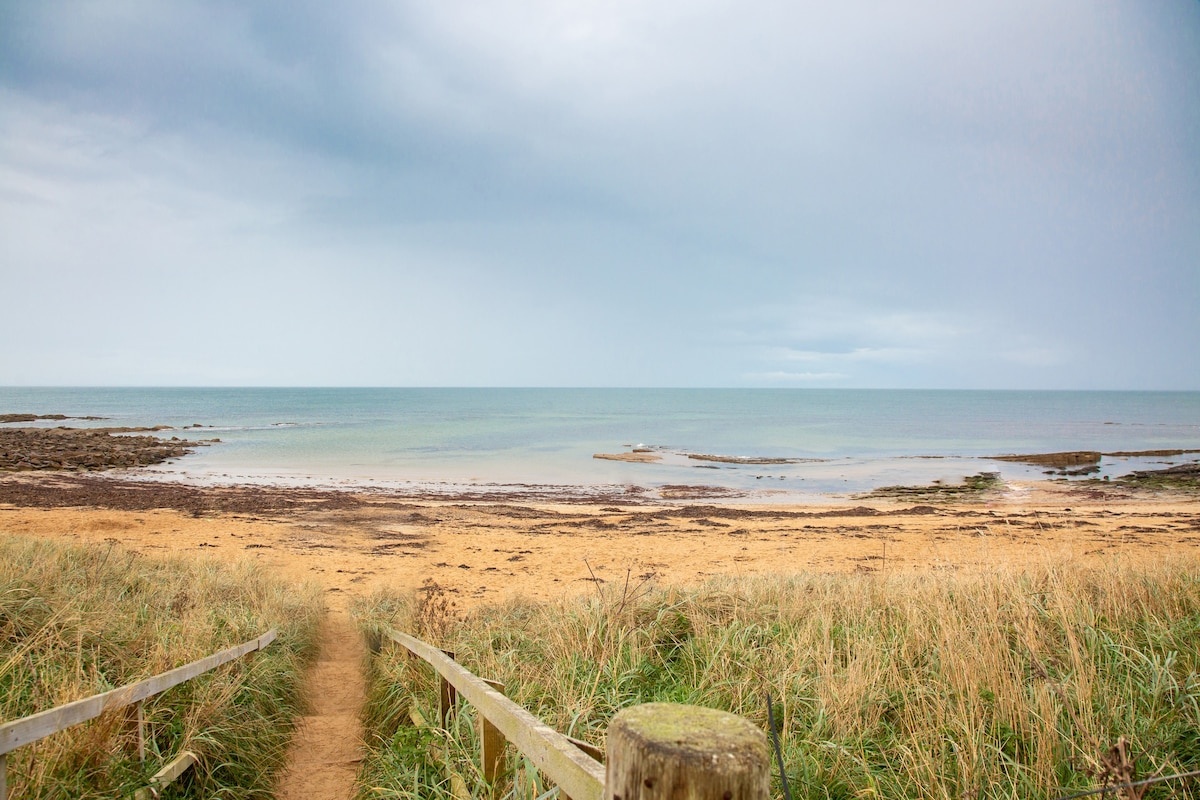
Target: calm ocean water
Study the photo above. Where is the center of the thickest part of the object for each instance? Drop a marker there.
(850, 440)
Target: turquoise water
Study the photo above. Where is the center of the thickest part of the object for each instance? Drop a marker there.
(850, 440)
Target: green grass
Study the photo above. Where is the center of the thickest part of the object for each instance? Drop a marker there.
(77, 621)
(1007, 685)
(1184, 478)
(972, 487)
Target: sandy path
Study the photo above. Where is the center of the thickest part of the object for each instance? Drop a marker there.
(325, 755)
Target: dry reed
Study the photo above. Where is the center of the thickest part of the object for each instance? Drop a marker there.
(1013, 683)
(77, 621)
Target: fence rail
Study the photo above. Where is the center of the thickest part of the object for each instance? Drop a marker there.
(656, 750)
(45, 723)
(577, 774)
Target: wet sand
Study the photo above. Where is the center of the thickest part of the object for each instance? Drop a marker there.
(489, 550)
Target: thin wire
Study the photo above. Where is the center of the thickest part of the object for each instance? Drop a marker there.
(1117, 786)
(787, 793)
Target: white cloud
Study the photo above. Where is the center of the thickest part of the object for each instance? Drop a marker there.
(888, 355)
(794, 377)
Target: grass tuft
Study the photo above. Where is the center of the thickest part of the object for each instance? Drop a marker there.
(77, 621)
(1010, 684)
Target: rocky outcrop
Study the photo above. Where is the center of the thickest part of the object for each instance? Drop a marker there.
(1181, 476)
(751, 460)
(1060, 460)
(34, 417)
(636, 457)
(79, 449)
(1082, 457)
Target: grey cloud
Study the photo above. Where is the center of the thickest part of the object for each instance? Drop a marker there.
(624, 192)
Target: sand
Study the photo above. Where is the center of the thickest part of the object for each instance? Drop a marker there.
(353, 544)
(327, 750)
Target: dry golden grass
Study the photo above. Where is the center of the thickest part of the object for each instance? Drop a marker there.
(77, 621)
(1012, 683)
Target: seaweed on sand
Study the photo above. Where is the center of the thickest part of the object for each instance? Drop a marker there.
(972, 486)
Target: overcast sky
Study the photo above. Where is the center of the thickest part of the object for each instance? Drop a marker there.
(989, 194)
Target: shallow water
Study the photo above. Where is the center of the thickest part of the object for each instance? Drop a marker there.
(844, 440)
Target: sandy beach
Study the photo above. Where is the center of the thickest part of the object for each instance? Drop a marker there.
(488, 550)
(482, 550)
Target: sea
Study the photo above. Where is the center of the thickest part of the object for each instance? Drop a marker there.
(831, 443)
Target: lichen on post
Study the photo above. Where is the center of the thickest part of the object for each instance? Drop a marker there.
(664, 750)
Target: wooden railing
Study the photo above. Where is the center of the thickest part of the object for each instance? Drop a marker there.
(578, 775)
(38, 726)
(656, 750)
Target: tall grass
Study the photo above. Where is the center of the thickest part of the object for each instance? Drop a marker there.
(77, 621)
(1015, 684)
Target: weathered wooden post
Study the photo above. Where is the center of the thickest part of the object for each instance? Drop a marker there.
(664, 751)
(135, 723)
(141, 730)
(491, 746)
(447, 696)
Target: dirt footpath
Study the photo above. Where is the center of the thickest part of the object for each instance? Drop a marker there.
(325, 755)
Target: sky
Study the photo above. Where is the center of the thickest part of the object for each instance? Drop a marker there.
(995, 194)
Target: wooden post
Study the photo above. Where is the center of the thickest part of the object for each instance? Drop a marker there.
(134, 721)
(447, 696)
(3, 776)
(658, 751)
(141, 725)
(491, 745)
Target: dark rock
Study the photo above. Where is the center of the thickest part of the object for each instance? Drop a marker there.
(75, 449)
(1059, 460)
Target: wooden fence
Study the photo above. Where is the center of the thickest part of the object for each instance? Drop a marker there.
(656, 750)
(38, 726)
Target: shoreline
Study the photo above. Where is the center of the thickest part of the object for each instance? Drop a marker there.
(493, 547)
(489, 541)
(146, 454)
